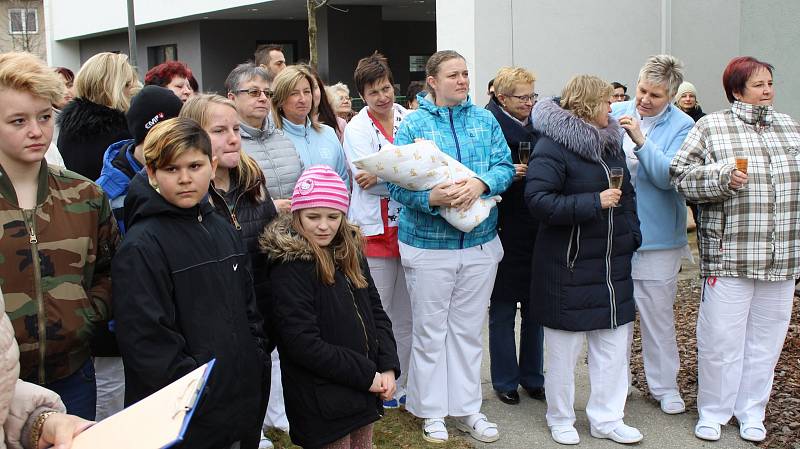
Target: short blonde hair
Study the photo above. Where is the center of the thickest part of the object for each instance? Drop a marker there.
(109, 80)
(25, 72)
(663, 70)
(282, 88)
(171, 138)
(508, 77)
(585, 95)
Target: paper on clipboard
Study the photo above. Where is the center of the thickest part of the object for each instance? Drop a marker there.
(157, 421)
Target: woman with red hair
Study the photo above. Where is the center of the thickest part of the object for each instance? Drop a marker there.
(175, 76)
(741, 165)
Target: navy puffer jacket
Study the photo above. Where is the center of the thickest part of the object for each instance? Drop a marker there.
(582, 256)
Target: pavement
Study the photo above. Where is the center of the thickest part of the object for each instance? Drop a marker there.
(524, 426)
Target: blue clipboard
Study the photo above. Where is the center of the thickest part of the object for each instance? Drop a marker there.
(165, 414)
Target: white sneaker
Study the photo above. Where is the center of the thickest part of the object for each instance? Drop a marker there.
(564, 434)
(623, 433)
(265, 443)
(672, 405)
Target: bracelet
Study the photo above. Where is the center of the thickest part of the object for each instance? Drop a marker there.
(38, 425)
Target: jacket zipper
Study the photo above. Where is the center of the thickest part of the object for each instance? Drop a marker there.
(609, 244)
(458, 155)
(358, 313)
(571, 260)
(30, 222)
(231, 210)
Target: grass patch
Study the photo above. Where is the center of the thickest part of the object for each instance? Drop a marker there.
(397, 429)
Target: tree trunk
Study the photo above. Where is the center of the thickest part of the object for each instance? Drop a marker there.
(312, 32)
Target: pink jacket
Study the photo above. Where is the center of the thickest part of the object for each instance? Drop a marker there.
(19, 400)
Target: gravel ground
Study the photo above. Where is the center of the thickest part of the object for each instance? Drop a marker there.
(783, 410)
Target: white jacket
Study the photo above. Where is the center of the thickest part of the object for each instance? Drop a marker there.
(18, 399)
(362, 138)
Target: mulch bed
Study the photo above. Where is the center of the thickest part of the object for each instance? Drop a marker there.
(783, 409)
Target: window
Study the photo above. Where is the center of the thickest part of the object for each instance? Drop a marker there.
(23, 21)
(161, 54)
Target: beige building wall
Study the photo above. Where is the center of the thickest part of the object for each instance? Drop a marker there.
(32, 42)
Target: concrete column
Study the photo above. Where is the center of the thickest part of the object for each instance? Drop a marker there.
(482, 31)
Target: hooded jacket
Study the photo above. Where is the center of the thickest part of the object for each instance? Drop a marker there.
(185, 296)
(56, 300)
(249, 218)
(86, 131)
(276, 156)
(119, 167)
(581, 277)
(751, 232)
(332, 340)
(660, 208)
(472, 136)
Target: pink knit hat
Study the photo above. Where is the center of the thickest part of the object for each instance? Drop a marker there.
(320, 186)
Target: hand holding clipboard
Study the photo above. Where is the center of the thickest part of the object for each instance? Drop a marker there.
(157, 421)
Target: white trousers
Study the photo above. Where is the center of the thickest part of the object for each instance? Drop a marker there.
(608, 375)
(276, 411)
(110, 375)
(654, 301)
(450, 292)
(740, 334)
(390, 280)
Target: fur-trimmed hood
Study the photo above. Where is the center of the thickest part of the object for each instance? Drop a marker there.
(84, 120)
(574, 133)
(281, 243)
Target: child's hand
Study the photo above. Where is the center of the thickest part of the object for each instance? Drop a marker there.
(389, 384)
(377, 384)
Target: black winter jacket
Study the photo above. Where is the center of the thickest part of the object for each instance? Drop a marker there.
(86, 131)
(183, 295)
(582, 256)
(249, 218)
(515, 226)
(332, 341)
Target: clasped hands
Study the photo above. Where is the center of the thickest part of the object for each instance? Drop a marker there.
(384, 385)
(460, 194)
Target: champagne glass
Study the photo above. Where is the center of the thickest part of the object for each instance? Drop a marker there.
(616, 175)
(524, 152)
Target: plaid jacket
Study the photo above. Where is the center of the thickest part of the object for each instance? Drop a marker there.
(472, 136)
(55, 264)
(752, 232)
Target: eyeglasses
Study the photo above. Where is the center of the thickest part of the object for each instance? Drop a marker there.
(526, 98)
(255, 93)
(620, 96)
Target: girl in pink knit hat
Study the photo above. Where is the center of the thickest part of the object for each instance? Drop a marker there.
(338, 355)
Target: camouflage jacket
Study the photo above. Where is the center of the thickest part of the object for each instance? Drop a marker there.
(53, 300)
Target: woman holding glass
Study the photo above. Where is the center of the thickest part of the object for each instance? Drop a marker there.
(749, 245)
(450, 273)
(581, 286)
(654, 129)
(517, 230)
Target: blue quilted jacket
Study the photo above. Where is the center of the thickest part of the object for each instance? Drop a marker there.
(472, 136)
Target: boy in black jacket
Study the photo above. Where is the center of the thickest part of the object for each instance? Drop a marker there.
(184, 292)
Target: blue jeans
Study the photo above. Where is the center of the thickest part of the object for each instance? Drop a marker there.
(78, 391)
(507, 374)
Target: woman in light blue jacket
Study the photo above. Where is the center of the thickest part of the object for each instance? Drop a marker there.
(654, 131)
(449, 273)
(292, 104)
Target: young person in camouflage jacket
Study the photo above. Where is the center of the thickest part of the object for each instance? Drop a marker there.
(56, 240)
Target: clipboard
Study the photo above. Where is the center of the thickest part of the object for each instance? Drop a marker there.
(158, 421)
